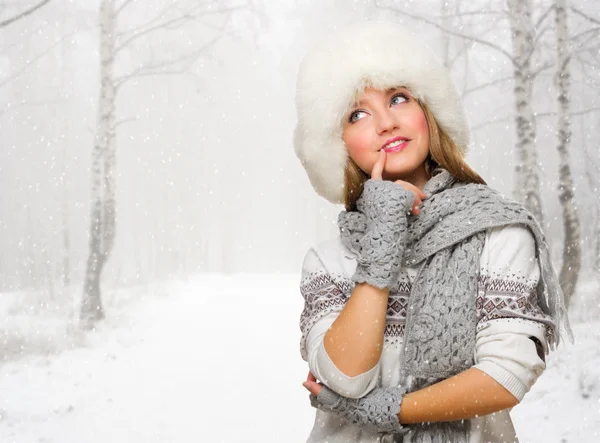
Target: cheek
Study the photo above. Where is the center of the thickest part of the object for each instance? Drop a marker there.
(358, 146)
(421, 125)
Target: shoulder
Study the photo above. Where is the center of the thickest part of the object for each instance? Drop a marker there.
(325, 270)
(510, 240)
(509, 253)
(327, 256)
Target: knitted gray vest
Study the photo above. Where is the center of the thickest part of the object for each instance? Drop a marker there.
(445, 242)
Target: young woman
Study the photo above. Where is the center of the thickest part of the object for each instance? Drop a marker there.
(430, 315)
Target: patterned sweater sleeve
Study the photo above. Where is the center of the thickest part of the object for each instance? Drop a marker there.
(511, 332)
(325, 293)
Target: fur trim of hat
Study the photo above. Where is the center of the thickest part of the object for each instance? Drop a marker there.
(335, 72)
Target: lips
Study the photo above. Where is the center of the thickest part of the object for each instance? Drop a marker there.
(398, 144)
(398, 148)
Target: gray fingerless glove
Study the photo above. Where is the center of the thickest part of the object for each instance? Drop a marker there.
(378, 409)
(378, 231)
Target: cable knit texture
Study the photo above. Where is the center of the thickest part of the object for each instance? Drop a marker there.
(445, 240)
(378, 231)
(378, 409)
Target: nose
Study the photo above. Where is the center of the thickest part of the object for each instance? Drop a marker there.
(386, 121)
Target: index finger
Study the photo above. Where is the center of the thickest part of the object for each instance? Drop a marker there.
(377, 171)
(311, 377)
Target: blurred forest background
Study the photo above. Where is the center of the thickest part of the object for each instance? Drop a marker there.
(147, 178)
(151, 140)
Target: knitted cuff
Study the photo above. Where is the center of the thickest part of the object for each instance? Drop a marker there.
(379, 409)
(384, 201)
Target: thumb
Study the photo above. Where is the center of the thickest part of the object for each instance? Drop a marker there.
(377, 171)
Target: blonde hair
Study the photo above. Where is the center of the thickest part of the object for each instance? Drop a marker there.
(443, 152)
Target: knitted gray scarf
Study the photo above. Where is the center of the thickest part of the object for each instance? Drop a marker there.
(445, 242)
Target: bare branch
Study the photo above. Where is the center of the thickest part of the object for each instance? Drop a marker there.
(36, 58)
(485, 85)
(11, 108)
(463, 13)
(123, 6)
(449, 31)
(462, 50)
(573, 113)
(537, 38)
(165, 25)
(591, 162)
(493, 122)
(581, 46)
(584, 65)
(27, 65)
(155, 23)
(584, 15)
(537, 115)
(161, 68)
(23, 14)
(126, 120)
(172, 24)
(541, 68)
(581, 34)
(140, 28)
(542, 17)
(23, 37)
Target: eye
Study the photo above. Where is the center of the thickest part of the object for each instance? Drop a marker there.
(400, 95)
(352, 118)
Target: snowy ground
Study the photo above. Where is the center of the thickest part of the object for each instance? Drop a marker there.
(216, 360)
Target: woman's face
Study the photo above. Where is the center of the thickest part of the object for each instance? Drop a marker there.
(391, 120)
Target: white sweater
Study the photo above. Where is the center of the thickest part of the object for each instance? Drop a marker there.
(508, 316)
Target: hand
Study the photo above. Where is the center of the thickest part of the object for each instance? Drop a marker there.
(312, 385)
(377, 174)
(378, 409)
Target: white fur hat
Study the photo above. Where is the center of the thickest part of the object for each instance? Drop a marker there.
(374, 54)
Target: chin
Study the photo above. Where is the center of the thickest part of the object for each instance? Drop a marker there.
(403, 171)
(403, 165)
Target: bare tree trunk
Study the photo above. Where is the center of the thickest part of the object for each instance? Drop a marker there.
(49, 272)
(569, 272)
(446, 23)
(66, 265)
(592, 173)
(597, 230)
(102, 217)
(66, 248)
(596, 234)
(30, 279)
(527, 183)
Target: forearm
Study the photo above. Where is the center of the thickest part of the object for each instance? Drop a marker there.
(467, 395)
(376, 232)
(354, 341)
(470, 394)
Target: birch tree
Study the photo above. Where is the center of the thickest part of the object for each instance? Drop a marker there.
(112, 43)
(102, 217)
(527, 185)
(569, 272)
(592, 172)
(585, 50)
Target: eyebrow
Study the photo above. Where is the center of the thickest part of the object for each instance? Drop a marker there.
(387, 91)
